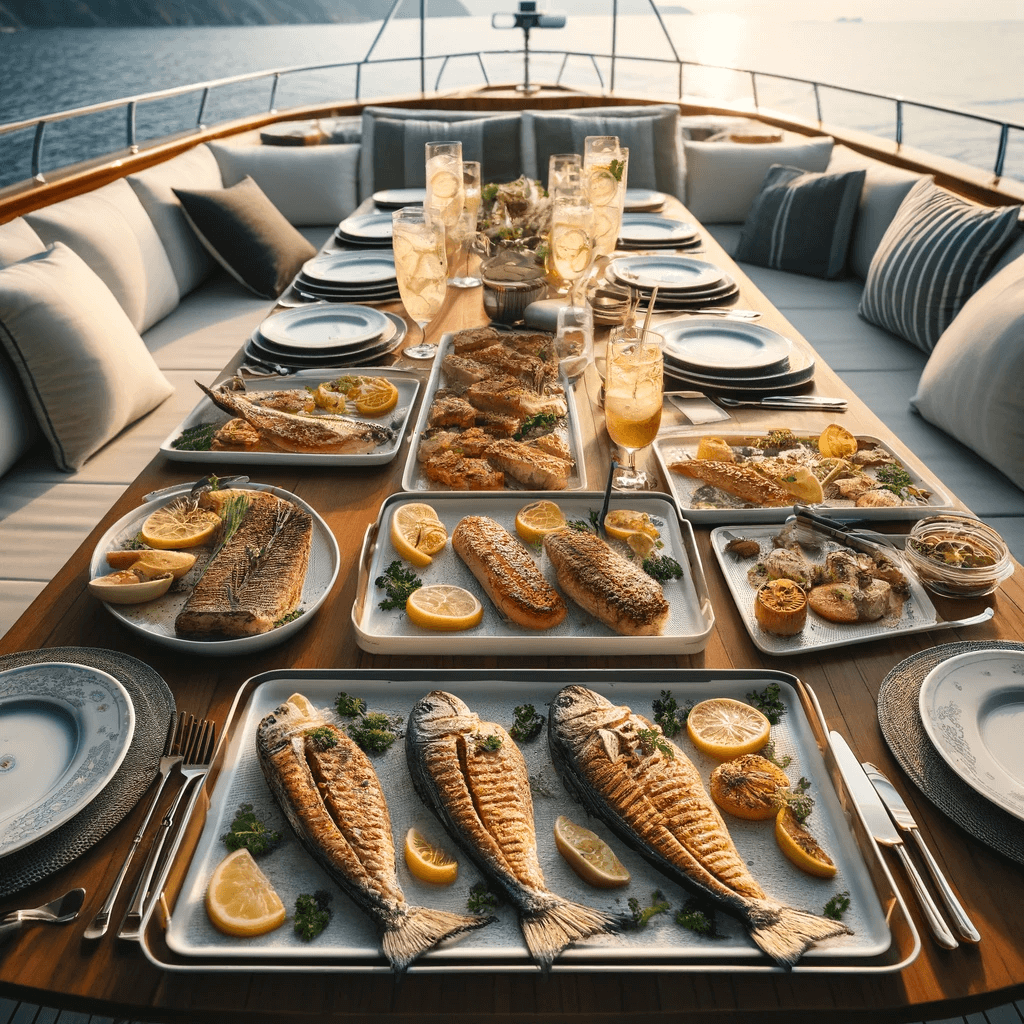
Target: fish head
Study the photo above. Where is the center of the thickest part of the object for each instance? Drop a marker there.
(577, 712)
(439, 713)
(295, 715)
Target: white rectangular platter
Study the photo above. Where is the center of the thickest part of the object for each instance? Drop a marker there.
(414, 479)
(691, 617)
(351, 941)
(206, 412)
(669, 448)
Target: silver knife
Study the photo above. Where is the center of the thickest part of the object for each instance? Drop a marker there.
(787, 402)
(880, 825)
(905, 820)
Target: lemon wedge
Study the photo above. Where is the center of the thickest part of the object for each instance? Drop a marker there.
(444, 607)
(635, 528)
(724, 728)
(427, 862)
(241, 900)
(800, 846)
(417, 533)
(589, 855)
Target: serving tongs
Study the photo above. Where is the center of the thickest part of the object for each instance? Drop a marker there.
(807, 527)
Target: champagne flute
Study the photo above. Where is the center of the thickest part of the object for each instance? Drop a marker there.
(633, 398)
(457, 245)
(446, 191)
(605, 166)
(571, 239)
(421, 269)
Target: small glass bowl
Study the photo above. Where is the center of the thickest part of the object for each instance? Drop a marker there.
(957, 555)
(511, 282)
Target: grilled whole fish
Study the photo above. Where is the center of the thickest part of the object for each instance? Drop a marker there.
(742, 481)
(657, 804)
(328, 434)
(483, 798)
(334, 802)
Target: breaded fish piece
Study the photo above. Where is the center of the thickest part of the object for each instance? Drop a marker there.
(512, 397)
(531, 466)
(745, 483)
(462, 473)
(235, 434)
(451, 411)
(461, 371)
(553, 445)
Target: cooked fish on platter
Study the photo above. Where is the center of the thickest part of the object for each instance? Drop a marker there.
(474, 777)
(333, 800)
(653, 798)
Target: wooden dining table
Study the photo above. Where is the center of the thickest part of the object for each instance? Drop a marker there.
(56, 966)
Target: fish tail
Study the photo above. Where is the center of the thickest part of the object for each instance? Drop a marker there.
(560, 923)
(785, 932)
(419, 929)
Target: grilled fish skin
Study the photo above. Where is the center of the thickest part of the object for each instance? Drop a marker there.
(483, 798)
(745, 483)
(657, 804)
(334, 802)
(531, 466)
(510, 396)
(327, 435)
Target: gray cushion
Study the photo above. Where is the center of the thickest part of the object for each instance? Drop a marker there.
(247, 235)
(971, 385)
(935, 254)
(801, 222)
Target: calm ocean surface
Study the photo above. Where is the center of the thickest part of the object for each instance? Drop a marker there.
(970, 65)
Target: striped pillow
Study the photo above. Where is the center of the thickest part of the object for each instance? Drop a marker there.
(801, 221)
(936, 253)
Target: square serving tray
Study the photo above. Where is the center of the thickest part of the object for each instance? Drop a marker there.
(883, 938)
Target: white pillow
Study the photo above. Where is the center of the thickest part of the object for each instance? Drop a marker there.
(86, 371)
(723, 178)
(309, 184)
(194, 169)
(971, 384)
(110, 230)
(18, 240)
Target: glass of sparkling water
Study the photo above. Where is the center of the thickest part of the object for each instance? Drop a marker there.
(565, 174)
(459, 245)
(446, 192)
(472, 183)
(421, 268)
(605, 167)
(574, 340)
(572, 238)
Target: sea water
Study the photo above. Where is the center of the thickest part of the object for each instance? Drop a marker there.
(969, 65)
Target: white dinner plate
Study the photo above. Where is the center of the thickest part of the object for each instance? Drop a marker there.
(717, 348)
(258, 349)
(394, 198)
(643, 199)
(972, 708)
(64, 731)
(348, 349)
(367, 227)
(350, 268)
(323, 328)
(676, 273)
(643, 228)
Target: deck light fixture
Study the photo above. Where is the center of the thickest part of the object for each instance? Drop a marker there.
(528, 16)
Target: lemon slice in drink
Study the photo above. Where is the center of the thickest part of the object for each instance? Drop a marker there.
(726, 728)
(536, 520)
(427, 862)
(181, 524)
(417, 533)
(800, 846)
(444, 607)
(589, 855)
(444, 184)
(602, 185)
(241, 900)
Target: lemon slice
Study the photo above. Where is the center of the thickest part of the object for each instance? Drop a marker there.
(602, 185)
(417, 533)
(635, 528)
(589, 855)
(241, 900)
(726, 728)
(444, 184)
(780, 607)
(837, 442)
(536, 520)
(427, 862)
(800, 846)
(374, 397)
(748, 787)
(444, 607)
(802, 484)
(181, 524)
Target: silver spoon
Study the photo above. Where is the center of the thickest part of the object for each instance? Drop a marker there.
(59, 911)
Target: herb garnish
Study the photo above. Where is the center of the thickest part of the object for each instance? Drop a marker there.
(373, 732)
(800, 802)
(349, 707)
(312, 914)
(399, 582)
(481, 900)
(893, 477)
(541, 419)
(196, 439)
(322, 737)
(697, 918)
(668, 714)
(838, 905)
(662, 568)
(526, 723)
(652, 740)
(249, 833)
(769, 754)
(290, 617)
(489, 743)
(643, 915)
(768, 703)
(615, 169)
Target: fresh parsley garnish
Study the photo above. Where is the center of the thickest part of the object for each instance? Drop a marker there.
(643, 915)
(838, 905)
(615, 168)
(769, 753)
(537, 422)
(767, 701)
(668, 714)
(481, 900)
(893, 477)
(662, 568)
(312, 914)
(349, 707)
(697, 918)
(322, 737)
(249, 833)
(290, 617)
(399, 582)
(652, 740)
(489, 743)
(374, 732)
(526, 723)
(800, 801)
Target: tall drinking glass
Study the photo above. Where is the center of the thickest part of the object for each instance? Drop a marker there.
(421, 268)
(446, 192)
(572, 229)
(605, 166)
(564, 169)
(632, 400)
(471, 182)
(574, 341)
(458, 247)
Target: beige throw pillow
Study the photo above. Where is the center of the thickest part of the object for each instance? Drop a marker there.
(84, 368)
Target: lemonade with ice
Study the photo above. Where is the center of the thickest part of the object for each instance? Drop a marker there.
(605, 164)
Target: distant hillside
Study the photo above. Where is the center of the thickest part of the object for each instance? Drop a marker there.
(140, 13)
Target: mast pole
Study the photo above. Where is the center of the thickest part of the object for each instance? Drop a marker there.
(615, 31)
(423, 47)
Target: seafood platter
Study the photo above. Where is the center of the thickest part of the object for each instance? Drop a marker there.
(745, 478)
(495, 416)
(242, 566)
(290, 733)
(356, 416)
(681, 618)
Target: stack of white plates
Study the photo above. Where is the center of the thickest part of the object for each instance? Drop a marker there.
(682, 282)
(643, 199)
(323, 335)
(396, 198)
(653, 231)
(732, 356)
(348, 277)
(365, 231)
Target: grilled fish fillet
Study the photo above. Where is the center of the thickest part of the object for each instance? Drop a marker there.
(334, 802)
(483, 798)
(462, 473)
(531, 466)
(511, 397)
(256, 578)
(451, 411)
(473, 338)
(745, 483)
(461, 371)
(528, 368)
(657, 804)
(328, 435)
(608, 586)
(236, 433)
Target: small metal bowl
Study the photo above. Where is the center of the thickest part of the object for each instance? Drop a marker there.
(957, 555)
(505, 299)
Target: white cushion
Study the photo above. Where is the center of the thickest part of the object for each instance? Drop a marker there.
(86, 371)
(195, 168)
(722, 178)
(110, 230)
(18, 240)
(308, 184)
(971, 384)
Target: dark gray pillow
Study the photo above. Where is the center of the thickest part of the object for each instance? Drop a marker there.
(801, 221)
(936, 253)
(248, 235)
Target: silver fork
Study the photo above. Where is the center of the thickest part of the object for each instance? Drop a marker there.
(198, 754)
(172, 756)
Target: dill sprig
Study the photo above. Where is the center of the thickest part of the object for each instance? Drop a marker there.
(838, 905)
(526, 723)
(768, 702)
(312, 914)
(662, 568)
(248, 832)
(642, 915)
(196, 439)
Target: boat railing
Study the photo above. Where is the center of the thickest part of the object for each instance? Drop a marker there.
(273, 76)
